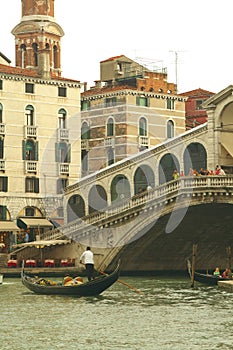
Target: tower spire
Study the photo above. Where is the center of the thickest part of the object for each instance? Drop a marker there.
(37, 38)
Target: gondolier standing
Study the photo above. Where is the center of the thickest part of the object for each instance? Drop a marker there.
(87, 258)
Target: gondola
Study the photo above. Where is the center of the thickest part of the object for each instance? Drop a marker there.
(92, 288)
(208, 278)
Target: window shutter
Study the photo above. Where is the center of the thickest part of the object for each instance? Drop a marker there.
(68, 153)
(36, 150)
(24, 150)
(57, 152)
(5, 184)
(36, 185)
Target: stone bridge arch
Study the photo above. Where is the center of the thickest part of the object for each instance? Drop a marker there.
(120, 188)
(195, 157)
(168, 163)
(97, 199)
(75, 208)
(144, 176)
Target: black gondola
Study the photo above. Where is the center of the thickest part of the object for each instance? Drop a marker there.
(208, 278)
(92, 288)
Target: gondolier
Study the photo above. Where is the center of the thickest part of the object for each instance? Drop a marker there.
(87, 258)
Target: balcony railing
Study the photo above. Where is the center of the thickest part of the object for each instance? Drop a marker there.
(2, 165)
(2, 128)
(85, 144)
(63, 134)
(143, 141)
(109, 142)
(30, 166)
(64, 169)
(30, 131)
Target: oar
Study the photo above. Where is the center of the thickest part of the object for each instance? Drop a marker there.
(121, 282)
(125, 284)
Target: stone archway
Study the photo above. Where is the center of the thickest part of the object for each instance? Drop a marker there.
(167, 165)
(143, 177)
(195, 157)
(97, 199)
(75, 208)
(120, 188)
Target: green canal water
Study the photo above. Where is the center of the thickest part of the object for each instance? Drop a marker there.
(168, 316)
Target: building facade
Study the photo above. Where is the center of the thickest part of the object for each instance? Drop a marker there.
(130, 109)
(39, 127)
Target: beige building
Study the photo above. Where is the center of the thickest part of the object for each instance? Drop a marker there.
(39, 126)
(130, 109)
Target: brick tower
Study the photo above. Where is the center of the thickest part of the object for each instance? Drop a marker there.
(37, 38)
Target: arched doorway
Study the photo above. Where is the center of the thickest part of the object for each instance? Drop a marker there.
(120, 188)
(195, 157)
(97, 199)
(75, 208)
(143, 177)
(167, 165)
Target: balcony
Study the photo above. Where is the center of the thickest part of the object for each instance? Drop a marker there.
(30, 131)
(63, 134)
(143, 141)
(30, 166)
(2, 165)
(109, 142)
(64, 169)
(2, 128)
(85, 144)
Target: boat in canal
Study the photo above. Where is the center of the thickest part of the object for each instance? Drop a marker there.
(90, 288)
(208, 279)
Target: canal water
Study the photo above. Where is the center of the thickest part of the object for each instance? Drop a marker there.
(169, 315)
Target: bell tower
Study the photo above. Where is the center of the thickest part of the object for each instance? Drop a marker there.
(37, 38)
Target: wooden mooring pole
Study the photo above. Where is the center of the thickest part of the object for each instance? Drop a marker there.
(193, 264)
(228, 249)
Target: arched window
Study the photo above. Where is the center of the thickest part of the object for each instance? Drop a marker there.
(1, 112)
(55, 56)
(29, 113)
(85, 131)
(142, 127)
(35, 53)
(62, 118)
(30, 150)
(110, 127)
(170, 129)
(23, 55)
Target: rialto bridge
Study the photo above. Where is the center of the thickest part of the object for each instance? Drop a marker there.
(135, 211)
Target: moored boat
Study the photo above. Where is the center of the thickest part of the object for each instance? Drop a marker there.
(91, 288)
(208, 278)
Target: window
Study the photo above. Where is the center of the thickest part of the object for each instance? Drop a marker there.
(62, 91)
(29, 211)
(110, 127)
(199, 104)
(109, 102)
(170, 129)
(111, 156)
(1, 84)
(35, 54)
(55, 57)
(170, 103)
(84, 160)
(142, 101)
(3, 183)
(1, 112)
(85, 105)
(29, 88)
(29, 113)
(3, 212)
(23, 55)
(143, 127)
(30, 150)
(63, 151)
(61, 185)
(85, 131)
(1, 148)
(62, 118)
(32, 184)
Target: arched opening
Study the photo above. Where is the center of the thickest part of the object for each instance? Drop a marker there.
(29, 113)
(110, 127)
(167, 165)
(75, 208)
(170, 129)
(195, 157)
(85, 131)
(143, 177)
(35, 53)
(142, 126)
(62, 118)
(97, 199)
(23, 55)
(120, 188)
(30, 150)
(55, 56)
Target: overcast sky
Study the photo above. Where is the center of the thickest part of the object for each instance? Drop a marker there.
(199, 32)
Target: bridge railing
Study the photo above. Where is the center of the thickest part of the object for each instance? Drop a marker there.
(134, 204)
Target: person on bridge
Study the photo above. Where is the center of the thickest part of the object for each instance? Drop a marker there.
(87, 258)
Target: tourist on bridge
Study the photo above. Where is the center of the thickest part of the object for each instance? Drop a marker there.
(87, 259)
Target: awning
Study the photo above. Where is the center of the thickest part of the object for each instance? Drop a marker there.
(36, 222)
(8, 226)
(42, 244)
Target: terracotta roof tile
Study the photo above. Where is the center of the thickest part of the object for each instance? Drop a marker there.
(112, 58)
(103, 90)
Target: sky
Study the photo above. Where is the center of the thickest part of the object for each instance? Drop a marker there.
(191, 39)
